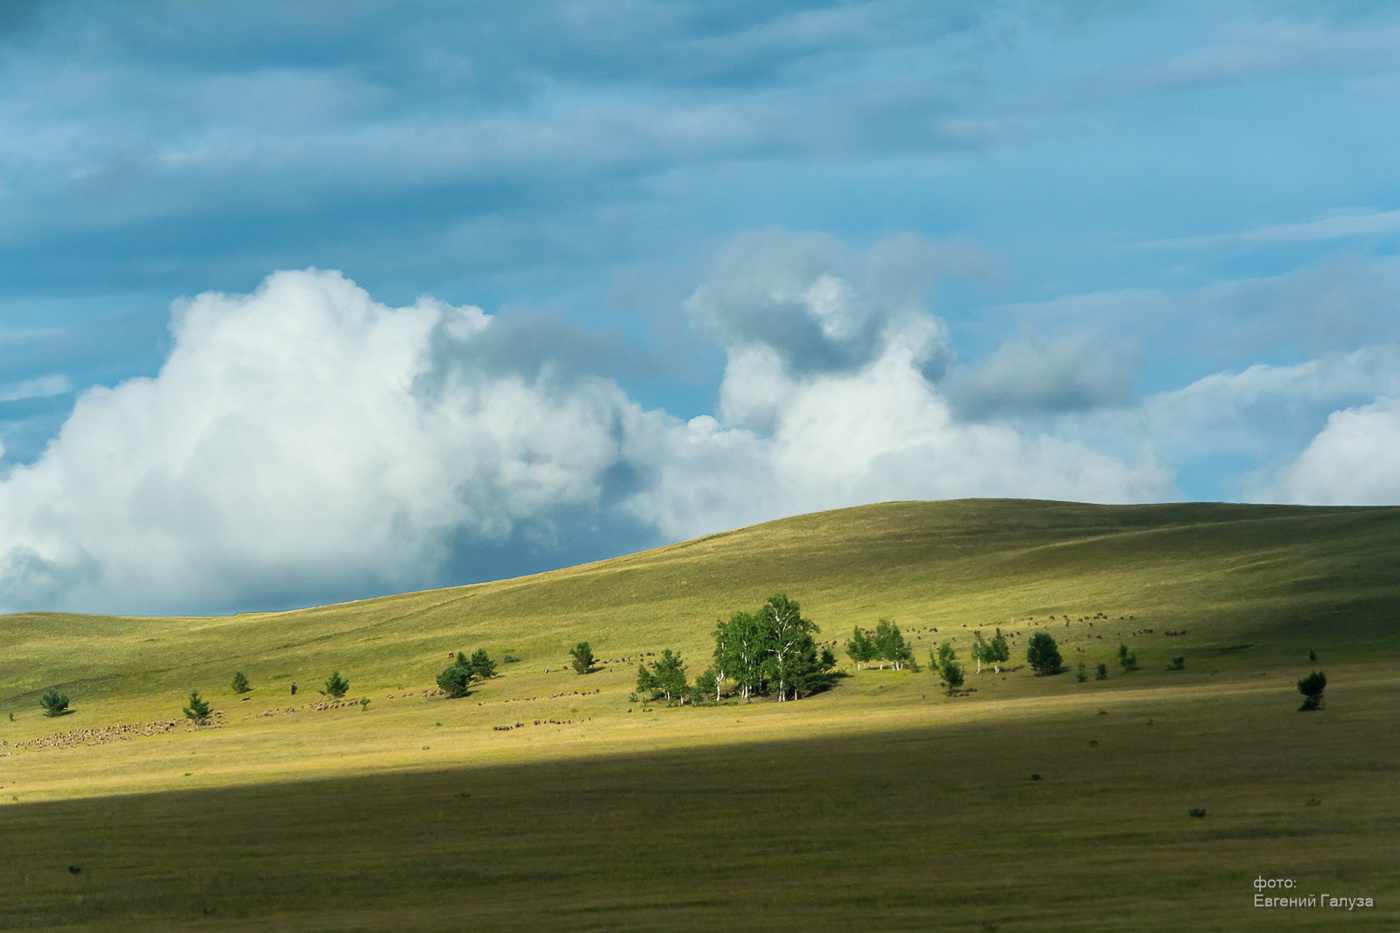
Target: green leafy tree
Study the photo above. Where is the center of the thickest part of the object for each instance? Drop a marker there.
(1101, 673)
(772, 649)
(707, 684)
(455, 680)
(890, 646)
(739, 653)
(995, 652)
(198, 710)
(666, 678)
(979, 649)
(53, 702)
(999, 653)
(584, 662)
(240, 682)
(791, 650)
(1311, 688)
(336, 686)
(1043, 654)
(861, 648)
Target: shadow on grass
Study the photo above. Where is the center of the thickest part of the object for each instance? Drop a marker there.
(842, 832)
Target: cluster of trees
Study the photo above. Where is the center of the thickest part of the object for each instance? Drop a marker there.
(666, 678)
(457, 679)
(768, 652)
(995, 652)
(887, 645)
(771, 651)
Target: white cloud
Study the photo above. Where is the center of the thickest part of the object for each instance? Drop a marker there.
(1354, 460)
(284, 450)
(306, 443)
(1334, 226)
(1267, 408)
(42, 387)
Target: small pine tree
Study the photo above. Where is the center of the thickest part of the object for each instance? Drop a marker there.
(198, 710)
(1311, 688)
(949, 669)
(53, 702)
(1101, 672)
(240, 682)
(480, 664)
(1080, 675)
(336, 686)
(584, 662)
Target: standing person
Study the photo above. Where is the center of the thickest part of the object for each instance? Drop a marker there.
(294, 688)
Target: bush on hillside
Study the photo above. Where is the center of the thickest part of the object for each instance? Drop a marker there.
(1311, 688)
(240, 682)
(1043, 654)
(53, 702)
(1127, 658)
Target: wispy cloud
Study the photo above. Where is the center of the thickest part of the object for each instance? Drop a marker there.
(1334, 226)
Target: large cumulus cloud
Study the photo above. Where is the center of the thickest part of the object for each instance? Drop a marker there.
(306, 443)
(293, 446)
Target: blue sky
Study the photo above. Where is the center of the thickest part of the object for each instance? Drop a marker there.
(310, 301)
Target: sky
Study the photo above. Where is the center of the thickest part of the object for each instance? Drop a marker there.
(304, 302)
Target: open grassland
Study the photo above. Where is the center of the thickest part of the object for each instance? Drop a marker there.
(880, 804)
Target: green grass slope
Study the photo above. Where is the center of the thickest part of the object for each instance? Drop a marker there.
(879, 804)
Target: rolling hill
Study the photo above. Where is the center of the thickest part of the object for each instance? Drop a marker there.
(879, 803)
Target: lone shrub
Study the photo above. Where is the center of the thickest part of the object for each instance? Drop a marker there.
(1101, 672)
(949, 670)
(1311, 688)
(1178, 664)
(584, 662)
(53, 702)
(240, 682)
(198, 710)
(1127, 658)
(336, 686)
(1080, 675)
(1043, 654)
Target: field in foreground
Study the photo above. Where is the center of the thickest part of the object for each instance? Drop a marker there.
(880, 804)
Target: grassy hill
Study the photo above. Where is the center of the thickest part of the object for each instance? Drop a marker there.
(879, 804)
